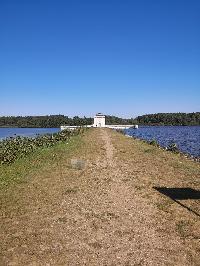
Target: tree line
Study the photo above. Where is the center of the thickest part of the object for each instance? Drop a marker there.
(170, 119)
(54, 121)
(47, 121)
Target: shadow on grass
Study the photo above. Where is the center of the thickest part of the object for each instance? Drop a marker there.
(177, 194)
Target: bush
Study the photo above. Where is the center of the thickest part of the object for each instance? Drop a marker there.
(173, 147)
(154, 143)
(12, 149)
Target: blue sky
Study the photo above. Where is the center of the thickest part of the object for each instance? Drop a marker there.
(119, 57)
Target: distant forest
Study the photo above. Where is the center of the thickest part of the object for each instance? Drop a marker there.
(58, 120)
(170, 119)
(55, 121)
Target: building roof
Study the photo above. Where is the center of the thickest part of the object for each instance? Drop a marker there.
(99, 114)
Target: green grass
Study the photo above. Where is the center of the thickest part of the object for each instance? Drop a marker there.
(43, 158)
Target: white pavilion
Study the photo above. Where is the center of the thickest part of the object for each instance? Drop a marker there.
(100, 121)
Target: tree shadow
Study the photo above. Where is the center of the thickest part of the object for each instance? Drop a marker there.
(177, 194)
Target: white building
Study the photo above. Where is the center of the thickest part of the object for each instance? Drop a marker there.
(99, 120)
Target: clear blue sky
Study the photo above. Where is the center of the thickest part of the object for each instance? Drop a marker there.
(79, 57)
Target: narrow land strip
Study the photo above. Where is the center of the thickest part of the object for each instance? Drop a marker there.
(107, 214)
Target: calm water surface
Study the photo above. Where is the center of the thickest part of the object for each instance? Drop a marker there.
(187, 138)
(25, 132)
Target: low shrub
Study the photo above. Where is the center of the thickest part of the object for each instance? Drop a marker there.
(173, 147)
(154, 143)
(12, 149)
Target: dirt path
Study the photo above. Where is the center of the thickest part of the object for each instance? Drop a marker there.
(136, 237)
(109, 148)
(107, 214)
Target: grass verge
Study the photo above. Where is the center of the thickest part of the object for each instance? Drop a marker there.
(41, 159)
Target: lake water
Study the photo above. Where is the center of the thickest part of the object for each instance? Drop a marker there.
(187, 138)
(25, 132)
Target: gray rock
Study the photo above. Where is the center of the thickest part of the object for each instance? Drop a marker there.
(77, 164)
